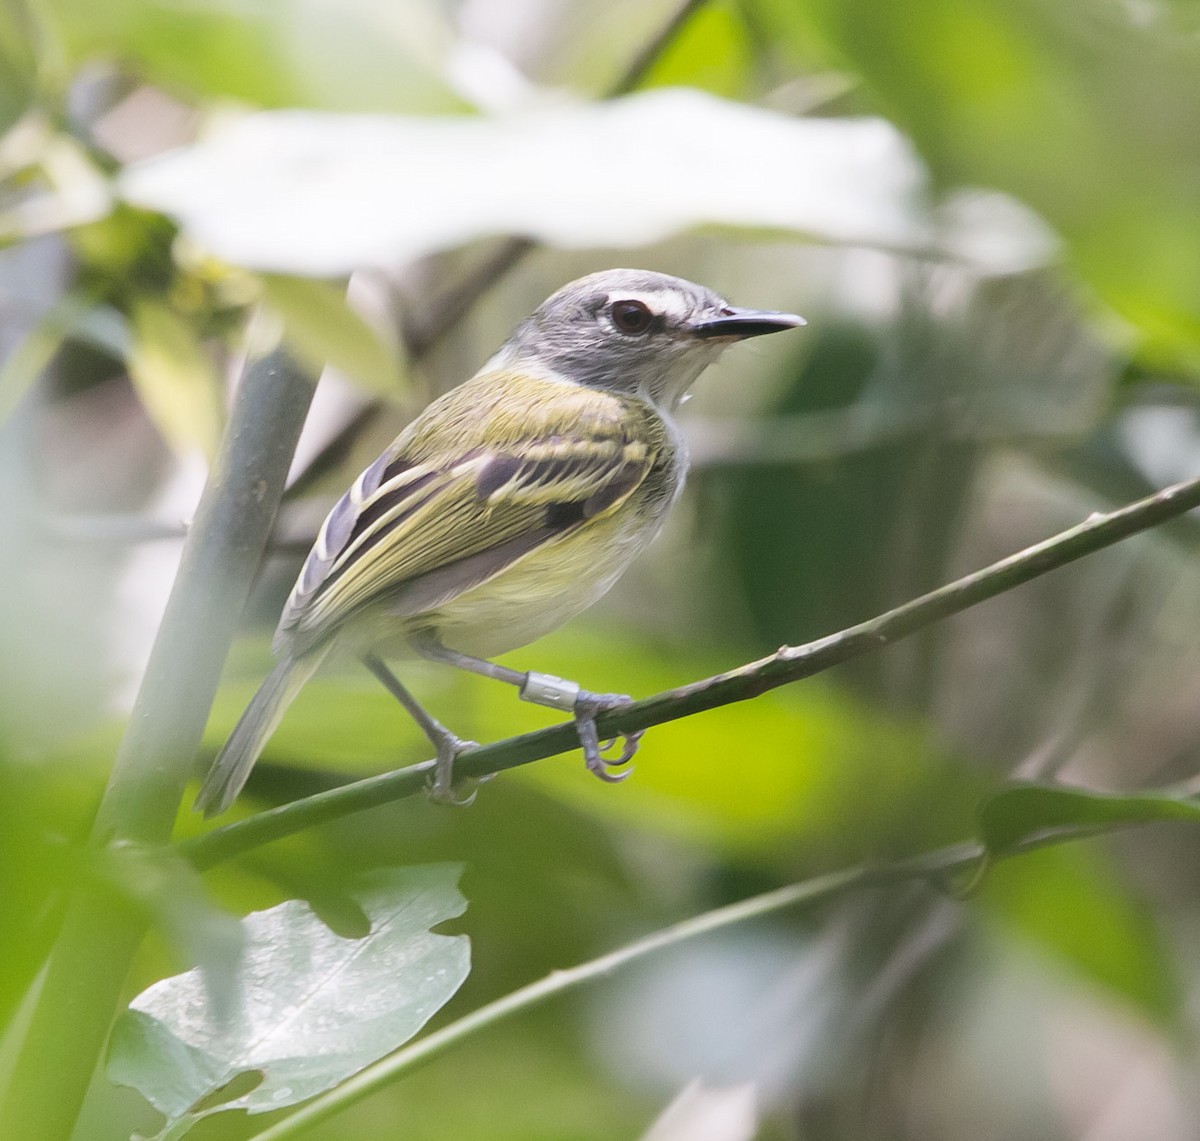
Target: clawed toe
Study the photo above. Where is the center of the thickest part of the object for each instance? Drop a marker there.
(588, 706)
(629, 746)
(440, 787)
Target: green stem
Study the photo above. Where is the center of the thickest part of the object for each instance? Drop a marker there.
(789, 664)
(220, 558)
(932, 865)
(79, 990)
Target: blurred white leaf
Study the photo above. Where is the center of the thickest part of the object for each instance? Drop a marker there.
(306, 1008)
(323, 194)
(707, 1114)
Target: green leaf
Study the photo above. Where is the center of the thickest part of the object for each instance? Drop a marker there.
(1073, 902)
(1068, 104)
(1026, 811)
(322, 329)
(343, 54)
(174, 377)
(309, 1007)
(51, 183)
(712, 51)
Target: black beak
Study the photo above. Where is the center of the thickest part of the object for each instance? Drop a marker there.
(739, 324)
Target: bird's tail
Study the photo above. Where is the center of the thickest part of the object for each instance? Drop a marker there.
(232, 767)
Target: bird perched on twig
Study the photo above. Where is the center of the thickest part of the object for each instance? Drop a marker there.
(505, 508)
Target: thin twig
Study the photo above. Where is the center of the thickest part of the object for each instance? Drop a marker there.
(789, 664)
(395, 1066)
(641, 64)
(939, 866)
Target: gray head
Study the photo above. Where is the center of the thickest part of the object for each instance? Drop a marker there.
(631, 330)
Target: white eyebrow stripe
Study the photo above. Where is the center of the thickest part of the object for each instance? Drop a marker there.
(658, 301)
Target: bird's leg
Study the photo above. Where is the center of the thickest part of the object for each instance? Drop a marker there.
(448, 745)
(555, 693)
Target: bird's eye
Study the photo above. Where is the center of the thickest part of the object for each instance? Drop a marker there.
(631, 317)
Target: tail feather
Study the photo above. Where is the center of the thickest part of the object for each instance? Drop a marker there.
(231, 769)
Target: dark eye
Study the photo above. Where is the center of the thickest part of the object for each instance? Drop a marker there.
(631, 316)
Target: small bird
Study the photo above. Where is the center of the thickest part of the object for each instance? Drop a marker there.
(509, 505)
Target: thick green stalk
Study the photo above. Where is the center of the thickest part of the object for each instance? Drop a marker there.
(79, 990)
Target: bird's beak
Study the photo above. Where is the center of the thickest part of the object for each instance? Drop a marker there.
(738, 324)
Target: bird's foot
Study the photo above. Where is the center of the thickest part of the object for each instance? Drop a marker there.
(557, 693)
(441, 787)
(588, 706)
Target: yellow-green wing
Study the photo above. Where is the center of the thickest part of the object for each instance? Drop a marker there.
(466, 492)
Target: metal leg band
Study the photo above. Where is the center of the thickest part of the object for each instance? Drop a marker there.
(546, 689)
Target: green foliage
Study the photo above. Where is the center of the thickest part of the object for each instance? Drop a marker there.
(1082, 110)
(1021, 813)
(18, 63)
(39, 814)
(712, 52)
(349, 57)
(987, 211)
(1072, 903)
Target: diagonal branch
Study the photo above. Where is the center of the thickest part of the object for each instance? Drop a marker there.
(789, 664)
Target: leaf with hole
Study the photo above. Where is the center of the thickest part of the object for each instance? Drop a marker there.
(307, 1008)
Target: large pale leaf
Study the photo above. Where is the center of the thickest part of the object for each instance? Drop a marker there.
(309, 1007)
(324, 194)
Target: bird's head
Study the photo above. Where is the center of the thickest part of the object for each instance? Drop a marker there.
(632, 330)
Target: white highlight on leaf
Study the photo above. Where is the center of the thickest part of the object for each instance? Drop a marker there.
(308, 1007)
(320, 193)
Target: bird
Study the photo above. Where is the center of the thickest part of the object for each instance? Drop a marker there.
(505, 508)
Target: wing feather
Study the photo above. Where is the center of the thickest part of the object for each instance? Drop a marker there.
(432, 518)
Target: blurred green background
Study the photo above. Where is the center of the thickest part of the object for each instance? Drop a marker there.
(987, 209)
